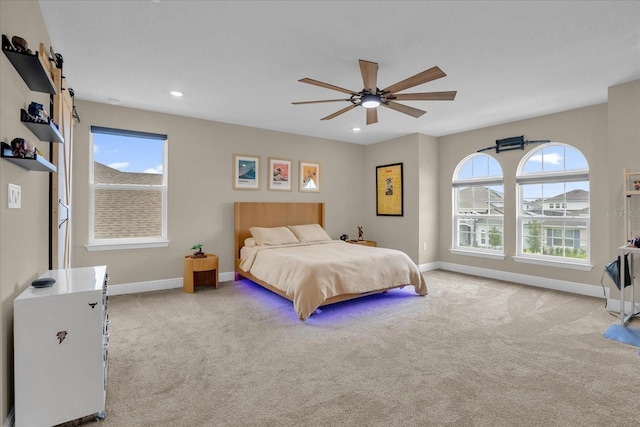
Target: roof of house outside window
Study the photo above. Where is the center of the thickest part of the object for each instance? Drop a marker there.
(126, 213)
(104, 174)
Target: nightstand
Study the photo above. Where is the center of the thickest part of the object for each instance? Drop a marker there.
(200, 271)
(363, 242)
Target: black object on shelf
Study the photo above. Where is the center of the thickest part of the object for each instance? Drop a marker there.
(36, 163)
(44, 282)
(45, 131)
(30, 68)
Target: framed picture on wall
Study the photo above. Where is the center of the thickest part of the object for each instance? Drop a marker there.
(246, 172)
(389, 189)
(279, 174)
(309, 177)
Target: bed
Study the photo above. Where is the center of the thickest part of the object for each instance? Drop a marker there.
(310, 269)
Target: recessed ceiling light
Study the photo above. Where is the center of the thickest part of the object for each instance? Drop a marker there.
(176, 93)
(356, 129)
(113, 101)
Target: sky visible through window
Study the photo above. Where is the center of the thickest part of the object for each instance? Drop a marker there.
(554, 158)
(128, 154)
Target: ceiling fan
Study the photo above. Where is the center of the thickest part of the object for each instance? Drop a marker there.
(370, 97)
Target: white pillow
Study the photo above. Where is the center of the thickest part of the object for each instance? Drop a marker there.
(273, 236)
(249, 241)
(309, 233)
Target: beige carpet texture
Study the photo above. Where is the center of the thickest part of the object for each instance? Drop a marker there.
(474, 352)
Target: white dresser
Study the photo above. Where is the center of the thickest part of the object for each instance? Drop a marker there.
(61, 341)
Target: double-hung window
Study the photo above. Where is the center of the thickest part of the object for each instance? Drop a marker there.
(128, 189)
(478, 198)
(554, 208)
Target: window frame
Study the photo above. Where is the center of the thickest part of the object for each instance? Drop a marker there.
(95, 244)
(484, 182)
(552, 177)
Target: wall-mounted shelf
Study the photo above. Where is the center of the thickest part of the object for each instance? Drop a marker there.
(38, 163)
(44, 131)
(32, 70)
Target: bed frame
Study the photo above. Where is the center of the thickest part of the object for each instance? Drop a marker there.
(266, 214)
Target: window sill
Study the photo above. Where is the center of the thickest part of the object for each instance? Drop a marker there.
(113, 246)
(477, 254)
(552, 263)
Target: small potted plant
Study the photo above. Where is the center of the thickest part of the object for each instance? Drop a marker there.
(198, 253)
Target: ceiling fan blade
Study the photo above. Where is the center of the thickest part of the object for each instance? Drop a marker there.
(317, 102)
(326, 85)
(426, 96)
(337, 113)
(369, 72)
(420, 78)
(404, 109)
(372, 116)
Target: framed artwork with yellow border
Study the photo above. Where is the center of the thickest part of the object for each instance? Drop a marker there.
(309, 177)
(389, 189)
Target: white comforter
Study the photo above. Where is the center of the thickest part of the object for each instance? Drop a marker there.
(311, 273)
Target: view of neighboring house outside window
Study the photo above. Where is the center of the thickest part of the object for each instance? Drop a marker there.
(553, 214)
(128, 189)
(478, 194)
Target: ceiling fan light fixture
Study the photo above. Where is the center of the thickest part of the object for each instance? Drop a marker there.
(369, 100)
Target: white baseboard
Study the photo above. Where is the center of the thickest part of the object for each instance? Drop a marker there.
(428, 267)
(613, 304)
(525, 279)
(157, 285)
(10, 421)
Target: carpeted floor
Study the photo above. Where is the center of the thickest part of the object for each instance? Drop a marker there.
(474, 352)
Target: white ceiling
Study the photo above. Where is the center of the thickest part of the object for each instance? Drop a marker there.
(239, 62)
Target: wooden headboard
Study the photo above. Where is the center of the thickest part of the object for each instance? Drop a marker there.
(263, 214)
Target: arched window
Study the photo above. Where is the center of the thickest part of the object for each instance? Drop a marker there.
(553, 211)
(478, 198)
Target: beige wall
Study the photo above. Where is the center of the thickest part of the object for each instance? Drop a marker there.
(393, 231)
(623, 117)
(200, 199)
(429, 199)
(588, 130)
(23, 232)
(418, 225)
